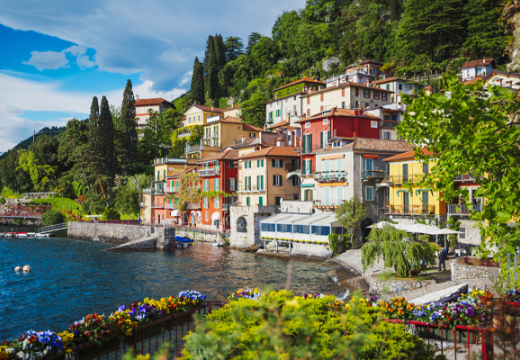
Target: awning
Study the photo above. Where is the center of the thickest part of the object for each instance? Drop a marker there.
(332, 157)
(307, 183)
(416, 228)
(175, 213)
(215, 216)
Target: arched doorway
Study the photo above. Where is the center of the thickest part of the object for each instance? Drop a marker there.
(242, 224)
(364, 228)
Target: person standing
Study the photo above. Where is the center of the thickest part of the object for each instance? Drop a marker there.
(442, 258)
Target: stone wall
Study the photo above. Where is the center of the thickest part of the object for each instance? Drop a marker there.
(297, 207)
(471, 233)
(393, 286)
(200, 236)
(252, 215)
(466, 272)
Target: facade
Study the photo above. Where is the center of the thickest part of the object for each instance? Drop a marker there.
(233, 111)
(477, 68)
(262, 177)
(180, 213)
(144, 106)
(346, 95)
(503, 79)
(390, 119)
(405, 204)
(219, 175)
(199, 115)
(288, 101)
(398, 86)
(289, 129)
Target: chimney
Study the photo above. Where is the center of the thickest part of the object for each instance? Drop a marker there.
(137, 96)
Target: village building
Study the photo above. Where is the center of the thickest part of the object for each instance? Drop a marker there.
(143, 108)
(477, 68)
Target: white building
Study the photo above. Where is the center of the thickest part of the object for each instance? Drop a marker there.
(476, 68)
(278, 109)
(144, 106)
(503, 79)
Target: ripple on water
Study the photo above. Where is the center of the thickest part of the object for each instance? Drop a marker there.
(73, 278)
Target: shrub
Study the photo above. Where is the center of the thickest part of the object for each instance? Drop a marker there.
(282, 326)
(52, 217)
(2, 201)
(110, 214)
(60, 203)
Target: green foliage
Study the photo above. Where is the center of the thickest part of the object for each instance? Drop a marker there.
(189, 192)
(10, 194)
(350, 215)
(480, 135)
(453, 224)
(127, 139)
(213, 194)
(2, 201)
(234, 47)
(197, 83)
(333, 243)
(52, 217)
(110, 213)
(42, 176)
(253, 110)
(59, 203)
(127, 200)
(398, 248)
(282, 326)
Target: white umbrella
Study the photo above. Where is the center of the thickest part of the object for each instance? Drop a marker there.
(448, 232)
(175, 213)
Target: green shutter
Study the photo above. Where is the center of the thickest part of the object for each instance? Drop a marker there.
(310, 165)
(272, 163)
(260, 201)
(262, 162)
(257, 182)
(280, 179)
(281, 163)
(248, 201)
(321, 140)
(257, 163)
(274, 179)
(228, 187)
(303, 166)
(262, 181)
(328, 135)
(303, 143)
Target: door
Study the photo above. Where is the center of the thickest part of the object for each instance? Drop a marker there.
(425, 207)
(406, 205)
(405, 172)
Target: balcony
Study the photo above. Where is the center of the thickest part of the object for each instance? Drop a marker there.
(170, 189)
(183, 133)
(193, 148)
(462, 209)
(399, 180)
(291, 167)
(153, 191)
(465, 177)
(410, 210)
(193, 206)
(250, 189)
(211, 142)
(142, 204)
(389, 124)
(169, 206)
(374, 174)
(157, 205)
(225, 207)
(209, 172)
(329, 176)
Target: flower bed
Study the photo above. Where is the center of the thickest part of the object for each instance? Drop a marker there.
(95, 329)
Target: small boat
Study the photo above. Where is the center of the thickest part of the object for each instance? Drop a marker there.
(183, 240)
(219, 244)
(95, 239)
(21, 235)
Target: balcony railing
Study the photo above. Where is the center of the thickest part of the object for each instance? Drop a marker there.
(225, 207)
(400, 179)
(211, 142)
(390, 124)
(170, 189)
(209, 172)
(193, 206)
(184, 133)
(465, 177)
(170, 206)
(373, 174)
(410, 209)
(141, 204)
(329, 175)
(243, 189)
(153, 191)
(291, 167)
(157, 205)
(192, 148)
(462, 209)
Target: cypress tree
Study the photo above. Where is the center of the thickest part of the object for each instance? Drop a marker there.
(93, 133)
(205, 64)
(106, 136)
(197, 83)
(212, 72)
(486, 35)
(128, 131)
(252, 40)
(220, 52)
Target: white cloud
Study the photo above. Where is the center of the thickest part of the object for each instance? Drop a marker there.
(186, 78)
(83, 61)
(160, 39)
(44, 60)
(16, 128)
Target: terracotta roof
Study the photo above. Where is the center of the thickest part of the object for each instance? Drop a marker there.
(347, 84)
(474, 80)
(153, 101)
(382, 81)
(233, 107)
(286, 96)
(252, 128)
(338, 112)
(174, 176)
(299, 81)
(247, 141)
(208, 108)
(370, 61)
(409, 155)
(231, 119)
(367, 144)
(474, 63)
(498, 72)
(228, 154)
(278, 124)
(273, 151)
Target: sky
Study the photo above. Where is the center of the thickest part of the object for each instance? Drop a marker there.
(56, 55)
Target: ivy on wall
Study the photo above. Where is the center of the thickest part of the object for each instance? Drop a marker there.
(213, 194)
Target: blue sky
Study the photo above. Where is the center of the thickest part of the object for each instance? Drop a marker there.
(56, 55)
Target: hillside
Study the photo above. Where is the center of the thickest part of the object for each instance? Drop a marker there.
(52, 132)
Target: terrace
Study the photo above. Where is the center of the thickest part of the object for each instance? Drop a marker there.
(410, 209)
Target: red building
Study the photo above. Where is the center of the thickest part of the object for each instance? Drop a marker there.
(219, 175)
(319, 129)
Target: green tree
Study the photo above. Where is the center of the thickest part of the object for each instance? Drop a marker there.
(127, 200)
(220, 51)
(395, 10)
(106, 156)
(43, 177)
(252, 39)
(234, 47)
(253, 109)
(127, 131)
(486, 33)
(205, 64)
(475, 129)
(189, 192)
(197, 83)
(52, 217)
(93, 127)
(350, 215)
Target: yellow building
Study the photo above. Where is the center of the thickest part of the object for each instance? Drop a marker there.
(199, 115)
(403, 202)
(263, 177)
(233, 111)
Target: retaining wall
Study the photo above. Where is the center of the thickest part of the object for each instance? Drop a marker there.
(200, 236)
(465, 272)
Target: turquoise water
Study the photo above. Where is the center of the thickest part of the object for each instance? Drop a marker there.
(73, 278)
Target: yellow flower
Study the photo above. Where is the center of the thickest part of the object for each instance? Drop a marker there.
(400, 312)
(4, 355)
(68, 351)
(362, 301)
(409, 307)
(143, 357)
(348, 307)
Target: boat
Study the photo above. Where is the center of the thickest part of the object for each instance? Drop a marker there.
(443, 296)
(219, 244)
(183, 240)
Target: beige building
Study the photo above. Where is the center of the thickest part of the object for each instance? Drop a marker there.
(233, 111)
(263, 178)
(144, 106)
(345, 95)
(199, 115)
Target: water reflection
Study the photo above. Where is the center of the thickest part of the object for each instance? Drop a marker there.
(72, 278)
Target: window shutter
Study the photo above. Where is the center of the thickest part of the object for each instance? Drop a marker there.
(303, 167)
(328, 135)
(228, 183)
(303, 143)
(262, 162)
(274, 179)
(272, 163)
(321, 140)
(310, 166)
(309, 145)
(257, 163)
(257, 182)
(280, 179)
(281, 163)
(262, 182)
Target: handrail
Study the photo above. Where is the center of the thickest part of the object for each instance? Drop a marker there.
(52, 228)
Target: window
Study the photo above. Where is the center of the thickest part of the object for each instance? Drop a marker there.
(158, 175)
(308, 124)
(278, 113)
(339, 165)
(369, 193)
(189, 119)
(198, 118)
(425, 168)
(400, 86)
(231, 184)
(386, 135)
(277, 180)
(216, 185)
(479, 71)
(277, 163)
(308, 101)
(207, 215)
(231, 164)
(463, 231)
(206, 184)
(367, 93)
(357, 91)
(384, 96)
(387, 167)
(307, 167)
(268, 227)
(325, 121)
(387, 86)
(339, 195)
(262, 182)
(301, 229)
(324, 138)
(286, 99)
(216, 202)
(367, 105)
(373, 124)
(206, 203)
(248, 201)
(321, 97)
(342, 104)
(236, 114)
(369, 164)
(260, 201)
(376, 95)
(343, 92)
(277, 200)
(308, 113)
(284, 228)
(321, 230)
(321, 108)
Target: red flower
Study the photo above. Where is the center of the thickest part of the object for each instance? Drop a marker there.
(86, 333)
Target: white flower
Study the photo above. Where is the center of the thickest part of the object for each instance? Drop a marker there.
(20, 354)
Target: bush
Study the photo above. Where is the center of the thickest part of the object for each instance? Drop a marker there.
(52, 217)
(60, 203)
(282, 326)
(110, 214)
(2, 201)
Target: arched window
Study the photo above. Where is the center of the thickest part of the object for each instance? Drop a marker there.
(242, 224)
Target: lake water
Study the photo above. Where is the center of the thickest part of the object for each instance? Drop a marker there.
(73, 278)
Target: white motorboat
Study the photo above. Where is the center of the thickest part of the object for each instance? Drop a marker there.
(219, 244)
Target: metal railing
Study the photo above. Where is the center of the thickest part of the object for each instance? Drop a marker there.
(462, 209)
(153, 191)
(52, 228)
(308, 149)
(254, 188)
(192, 148)
(400, 179)
(183, 134)
(170, 189)
(373, 174)
(329, 175)
(157, 205)
(170, 206)
(465, 177)
(193, 205)
(209, 172)
(410, 209)
(291, 167)
(389, 124)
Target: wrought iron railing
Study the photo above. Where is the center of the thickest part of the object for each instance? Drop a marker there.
(329, 175)
(462, 209)
(170, 206)
(390, 124)
(410, 209)
(465, 177)
(170, 189)
(373, 174)
(209, 172)
(192, 148)
(193, 205)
